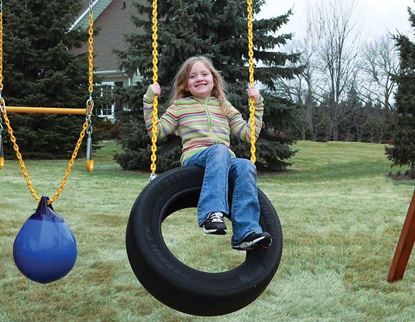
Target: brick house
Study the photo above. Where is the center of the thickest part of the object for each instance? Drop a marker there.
(112, 19)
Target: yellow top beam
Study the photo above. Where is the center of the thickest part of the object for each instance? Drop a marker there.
(46, 110)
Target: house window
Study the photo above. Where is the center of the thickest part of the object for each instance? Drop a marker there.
(107, 106)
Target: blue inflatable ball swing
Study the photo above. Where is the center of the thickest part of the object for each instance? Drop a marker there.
(45, 249)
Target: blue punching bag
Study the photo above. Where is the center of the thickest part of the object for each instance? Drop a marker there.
(45, 248)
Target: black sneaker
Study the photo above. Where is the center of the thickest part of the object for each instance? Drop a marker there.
(214, 224)
(253, 241)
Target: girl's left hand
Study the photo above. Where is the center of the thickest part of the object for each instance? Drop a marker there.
(253, 92)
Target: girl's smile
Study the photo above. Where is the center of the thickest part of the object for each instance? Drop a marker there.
(200, 81)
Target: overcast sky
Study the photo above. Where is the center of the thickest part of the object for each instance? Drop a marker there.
(378, 16)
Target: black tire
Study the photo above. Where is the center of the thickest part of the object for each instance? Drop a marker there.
(178, 285)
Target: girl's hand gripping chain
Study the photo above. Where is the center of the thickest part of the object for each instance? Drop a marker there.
(253, 92)
(156, 89)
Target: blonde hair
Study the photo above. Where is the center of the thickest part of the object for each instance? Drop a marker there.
(182, 77)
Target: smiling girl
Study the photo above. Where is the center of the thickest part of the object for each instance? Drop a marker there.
(204, 119)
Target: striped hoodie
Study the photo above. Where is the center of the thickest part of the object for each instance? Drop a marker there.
(201, 122)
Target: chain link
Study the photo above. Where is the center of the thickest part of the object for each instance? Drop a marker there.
(154, 128)
(89, 108)
(2, 105)
(251, 79)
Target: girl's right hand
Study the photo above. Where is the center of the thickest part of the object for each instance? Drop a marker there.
(155, 89)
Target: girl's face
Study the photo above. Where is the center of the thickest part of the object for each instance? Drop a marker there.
(200, 81)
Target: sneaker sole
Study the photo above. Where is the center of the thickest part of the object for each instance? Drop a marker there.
(261, 242)
(215, 231)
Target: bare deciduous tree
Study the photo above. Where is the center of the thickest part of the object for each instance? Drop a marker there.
(379, 62)
(300, 89)
(333, 23)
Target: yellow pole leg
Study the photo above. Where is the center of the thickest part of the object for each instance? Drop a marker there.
(89, 165)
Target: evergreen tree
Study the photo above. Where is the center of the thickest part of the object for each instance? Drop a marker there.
(403, 150)
(217, 30)
(40, 70)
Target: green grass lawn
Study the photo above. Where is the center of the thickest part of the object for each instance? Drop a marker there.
(341, 218)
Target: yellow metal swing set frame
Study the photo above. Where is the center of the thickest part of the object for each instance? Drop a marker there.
(87, 111)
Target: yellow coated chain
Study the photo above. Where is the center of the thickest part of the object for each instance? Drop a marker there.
(1, 48)
(251, 79)
(24, 169)
(154, 128)
(91, 52)
(85, 126)
(2, 103)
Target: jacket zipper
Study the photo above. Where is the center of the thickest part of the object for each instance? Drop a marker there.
(209, 117)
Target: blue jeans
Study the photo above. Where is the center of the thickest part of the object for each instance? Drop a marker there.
(221, 168)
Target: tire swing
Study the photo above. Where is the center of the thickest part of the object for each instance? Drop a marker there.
(169, 280)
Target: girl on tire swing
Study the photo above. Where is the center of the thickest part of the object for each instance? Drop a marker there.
(204, 119)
